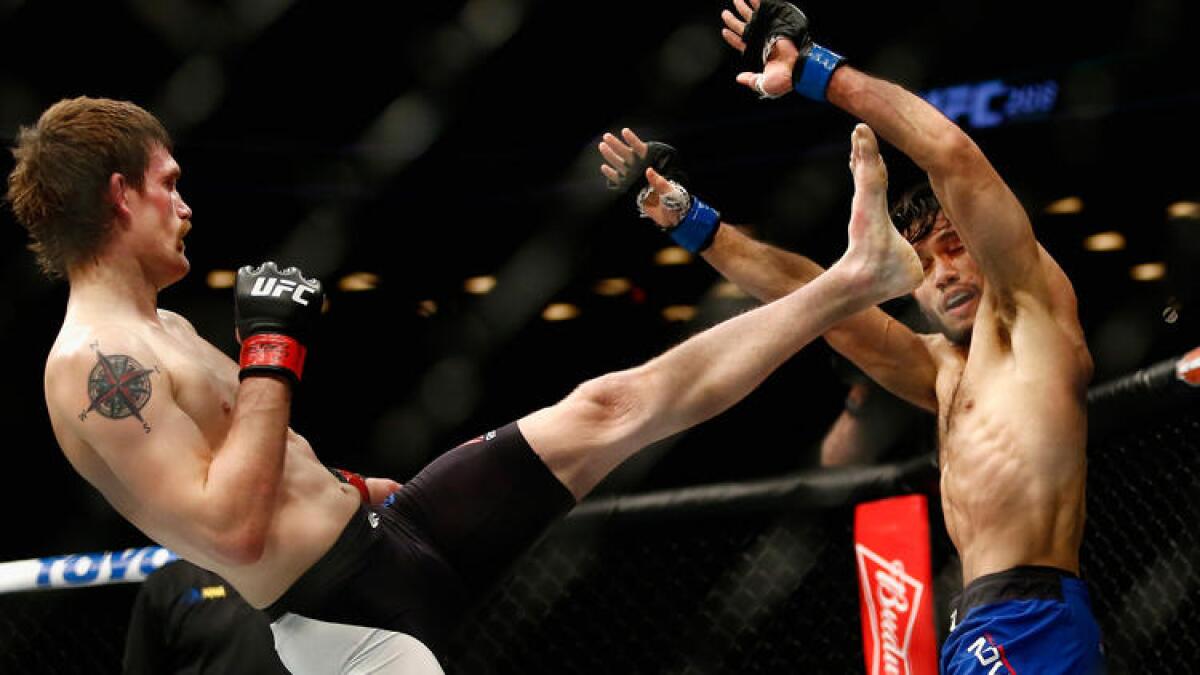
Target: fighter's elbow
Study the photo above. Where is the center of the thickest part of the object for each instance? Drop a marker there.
(241, 546)
(235, 535)
(954, 153)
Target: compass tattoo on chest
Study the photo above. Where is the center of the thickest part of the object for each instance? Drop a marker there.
(118, 387)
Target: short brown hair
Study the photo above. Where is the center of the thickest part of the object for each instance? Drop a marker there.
(915, 212)
(59, 187)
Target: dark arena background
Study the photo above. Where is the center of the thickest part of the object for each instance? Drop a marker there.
(436, 164)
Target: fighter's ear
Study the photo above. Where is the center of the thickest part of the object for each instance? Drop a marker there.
(118, 188)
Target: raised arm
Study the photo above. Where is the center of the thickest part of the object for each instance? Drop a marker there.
(605, 420)
(760, 269)
(988, 217)
(883, 347)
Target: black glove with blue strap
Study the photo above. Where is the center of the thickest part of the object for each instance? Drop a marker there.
(775, 19)
(697, 223)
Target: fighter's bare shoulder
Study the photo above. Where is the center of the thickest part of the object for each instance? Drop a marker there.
(100, 370)
(933, 342)
(77, 345)
(172, 319)
(941, 350)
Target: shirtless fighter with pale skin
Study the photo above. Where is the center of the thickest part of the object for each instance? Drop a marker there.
(196, 451)
(1007, 375)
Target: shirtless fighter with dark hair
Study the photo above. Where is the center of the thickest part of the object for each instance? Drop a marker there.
(1007, 375)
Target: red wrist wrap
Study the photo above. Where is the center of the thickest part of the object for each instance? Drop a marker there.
(272, 351)
(356, 480)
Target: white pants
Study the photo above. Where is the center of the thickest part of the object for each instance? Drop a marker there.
(310, 647)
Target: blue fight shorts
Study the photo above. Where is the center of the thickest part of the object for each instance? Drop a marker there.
(1029, 620)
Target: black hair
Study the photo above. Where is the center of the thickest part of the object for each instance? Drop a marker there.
(915, 212)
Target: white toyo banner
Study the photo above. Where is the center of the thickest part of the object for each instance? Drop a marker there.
(82, 569)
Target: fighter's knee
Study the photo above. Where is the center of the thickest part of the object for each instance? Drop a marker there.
(610, 401)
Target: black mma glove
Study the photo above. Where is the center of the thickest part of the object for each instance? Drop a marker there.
(698, 221)
(275, 310)
(776, 19)
(662, 157)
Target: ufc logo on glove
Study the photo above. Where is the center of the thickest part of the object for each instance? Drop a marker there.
(270, 286)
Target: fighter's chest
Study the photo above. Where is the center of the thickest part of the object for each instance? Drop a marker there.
(203, 383)
(957, 393)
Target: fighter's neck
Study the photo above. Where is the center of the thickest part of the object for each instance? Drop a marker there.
(104, 291)
(944, 345)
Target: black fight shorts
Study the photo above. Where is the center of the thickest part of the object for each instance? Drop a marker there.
(415, 563)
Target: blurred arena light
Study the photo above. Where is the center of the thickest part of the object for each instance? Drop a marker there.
(560, 311)
(676, 313)
(672, 255)
(1105, 241)
(359, 281)
(612, 286)
(727, 289)
(480, 285)
(1064, 206)
(1151, 271)
(221, 278)
(1184, 210)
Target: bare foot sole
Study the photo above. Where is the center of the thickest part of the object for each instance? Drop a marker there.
(877, 254)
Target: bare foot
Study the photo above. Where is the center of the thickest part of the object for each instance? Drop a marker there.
(878, 256)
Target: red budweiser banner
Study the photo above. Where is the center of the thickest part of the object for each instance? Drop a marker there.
(1188, 368)
(891, 542)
